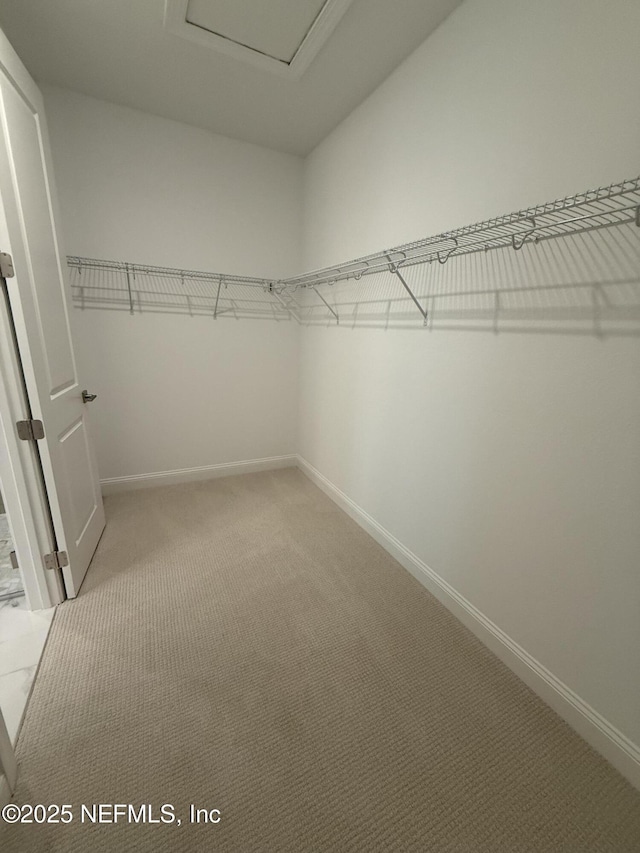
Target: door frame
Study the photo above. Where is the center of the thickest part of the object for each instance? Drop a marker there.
(8, 765)
(39, 297)
(21, 478)
(23, 490)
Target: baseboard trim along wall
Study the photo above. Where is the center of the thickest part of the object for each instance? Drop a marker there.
(621, 752)
(112, 485)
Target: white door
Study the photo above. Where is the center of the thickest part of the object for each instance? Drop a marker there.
(38, 295)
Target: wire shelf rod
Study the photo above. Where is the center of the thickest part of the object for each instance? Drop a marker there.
(605, 207)
(603, 204)
(377, 263)
(81, 264)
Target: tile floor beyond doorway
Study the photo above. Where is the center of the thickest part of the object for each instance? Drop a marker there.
(23, 634)
(10, 580)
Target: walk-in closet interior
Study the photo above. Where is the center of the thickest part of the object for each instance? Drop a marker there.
(355, 316)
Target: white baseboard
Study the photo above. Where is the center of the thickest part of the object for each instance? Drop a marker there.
(185, 475)
(611, 743)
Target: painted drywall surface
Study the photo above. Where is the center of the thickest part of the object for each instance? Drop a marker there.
(508, 104)
(509, 462)
(140, 188)
(178, 391)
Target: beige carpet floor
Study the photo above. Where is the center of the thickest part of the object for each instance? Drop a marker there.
(240, 644)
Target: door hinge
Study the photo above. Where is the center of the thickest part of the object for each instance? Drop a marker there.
(6, 265)
(30, 430)
(13, 559)
(56, 560)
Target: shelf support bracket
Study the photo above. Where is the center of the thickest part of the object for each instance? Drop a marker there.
(215, 307)
(327, 304)
(394, 269)
(129, 289)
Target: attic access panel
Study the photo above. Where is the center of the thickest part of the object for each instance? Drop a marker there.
(282, 36)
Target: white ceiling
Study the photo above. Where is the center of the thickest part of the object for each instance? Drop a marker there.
(120, 51)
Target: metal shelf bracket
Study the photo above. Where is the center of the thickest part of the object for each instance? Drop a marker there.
(328, 306)
(129, 289)
(215, 307)
(394, 269)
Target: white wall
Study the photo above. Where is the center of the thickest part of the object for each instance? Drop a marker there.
(174, 391)
(508, 463)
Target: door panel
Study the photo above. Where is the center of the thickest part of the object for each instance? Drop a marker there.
(76, 454)
(38, 295)
(25, 141)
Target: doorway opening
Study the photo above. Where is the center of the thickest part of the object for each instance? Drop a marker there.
(23, 634)
(24, 627)
(26, 599)
(11, 585)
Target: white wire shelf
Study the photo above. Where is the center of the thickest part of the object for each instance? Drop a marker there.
(606, 207)
(137, 288)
